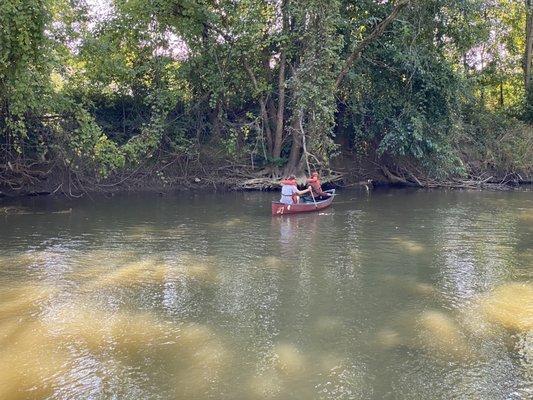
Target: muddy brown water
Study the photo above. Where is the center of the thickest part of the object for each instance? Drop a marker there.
(395, 294)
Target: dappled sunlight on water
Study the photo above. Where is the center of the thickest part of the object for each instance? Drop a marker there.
(441, 337)
(510, 306)
(395, 294)
(408, 245)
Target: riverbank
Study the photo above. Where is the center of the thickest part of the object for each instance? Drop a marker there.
(237, 178)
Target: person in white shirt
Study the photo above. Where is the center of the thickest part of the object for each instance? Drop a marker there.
(289, 191)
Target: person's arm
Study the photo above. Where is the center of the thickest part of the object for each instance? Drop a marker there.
(322, 193)
(300, 192)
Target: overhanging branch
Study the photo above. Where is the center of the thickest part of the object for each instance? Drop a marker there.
(376, 33)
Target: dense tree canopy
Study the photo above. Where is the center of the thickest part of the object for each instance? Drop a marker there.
(97, 90)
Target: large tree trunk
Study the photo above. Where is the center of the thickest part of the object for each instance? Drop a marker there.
(266, 125)
(278, 138)
(296, 148)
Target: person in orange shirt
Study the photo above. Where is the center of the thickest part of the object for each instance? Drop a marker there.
(316, 187)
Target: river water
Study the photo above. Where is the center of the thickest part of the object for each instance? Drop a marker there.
(392, 294)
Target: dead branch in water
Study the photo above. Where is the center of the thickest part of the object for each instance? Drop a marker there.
(405, 177)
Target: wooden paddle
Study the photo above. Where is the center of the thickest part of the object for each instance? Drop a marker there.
(313, 196)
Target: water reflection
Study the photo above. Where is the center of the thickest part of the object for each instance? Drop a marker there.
(404, 295)
(477, 251)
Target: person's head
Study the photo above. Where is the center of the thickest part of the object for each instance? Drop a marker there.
(314, 174)
(290, 180)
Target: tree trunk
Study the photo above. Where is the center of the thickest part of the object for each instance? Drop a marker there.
(214, 117)
(501, 94)
(272, 113)
(296, 148)
(305, 154)
(263, 106)
(278, 138)
(266, 125)
(528, 53)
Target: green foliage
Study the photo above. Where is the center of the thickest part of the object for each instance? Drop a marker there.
(314, 81)
(495, 142)
(160, 78)
(409, 98)
(91, 148)
(24, 63)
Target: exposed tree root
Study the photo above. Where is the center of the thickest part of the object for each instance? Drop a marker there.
(405, 177)
(188, 173)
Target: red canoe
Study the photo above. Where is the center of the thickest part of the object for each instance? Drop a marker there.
(282, 209)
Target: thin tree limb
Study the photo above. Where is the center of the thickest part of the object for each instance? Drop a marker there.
(528, 53)
(376, 32)
(262, 104)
